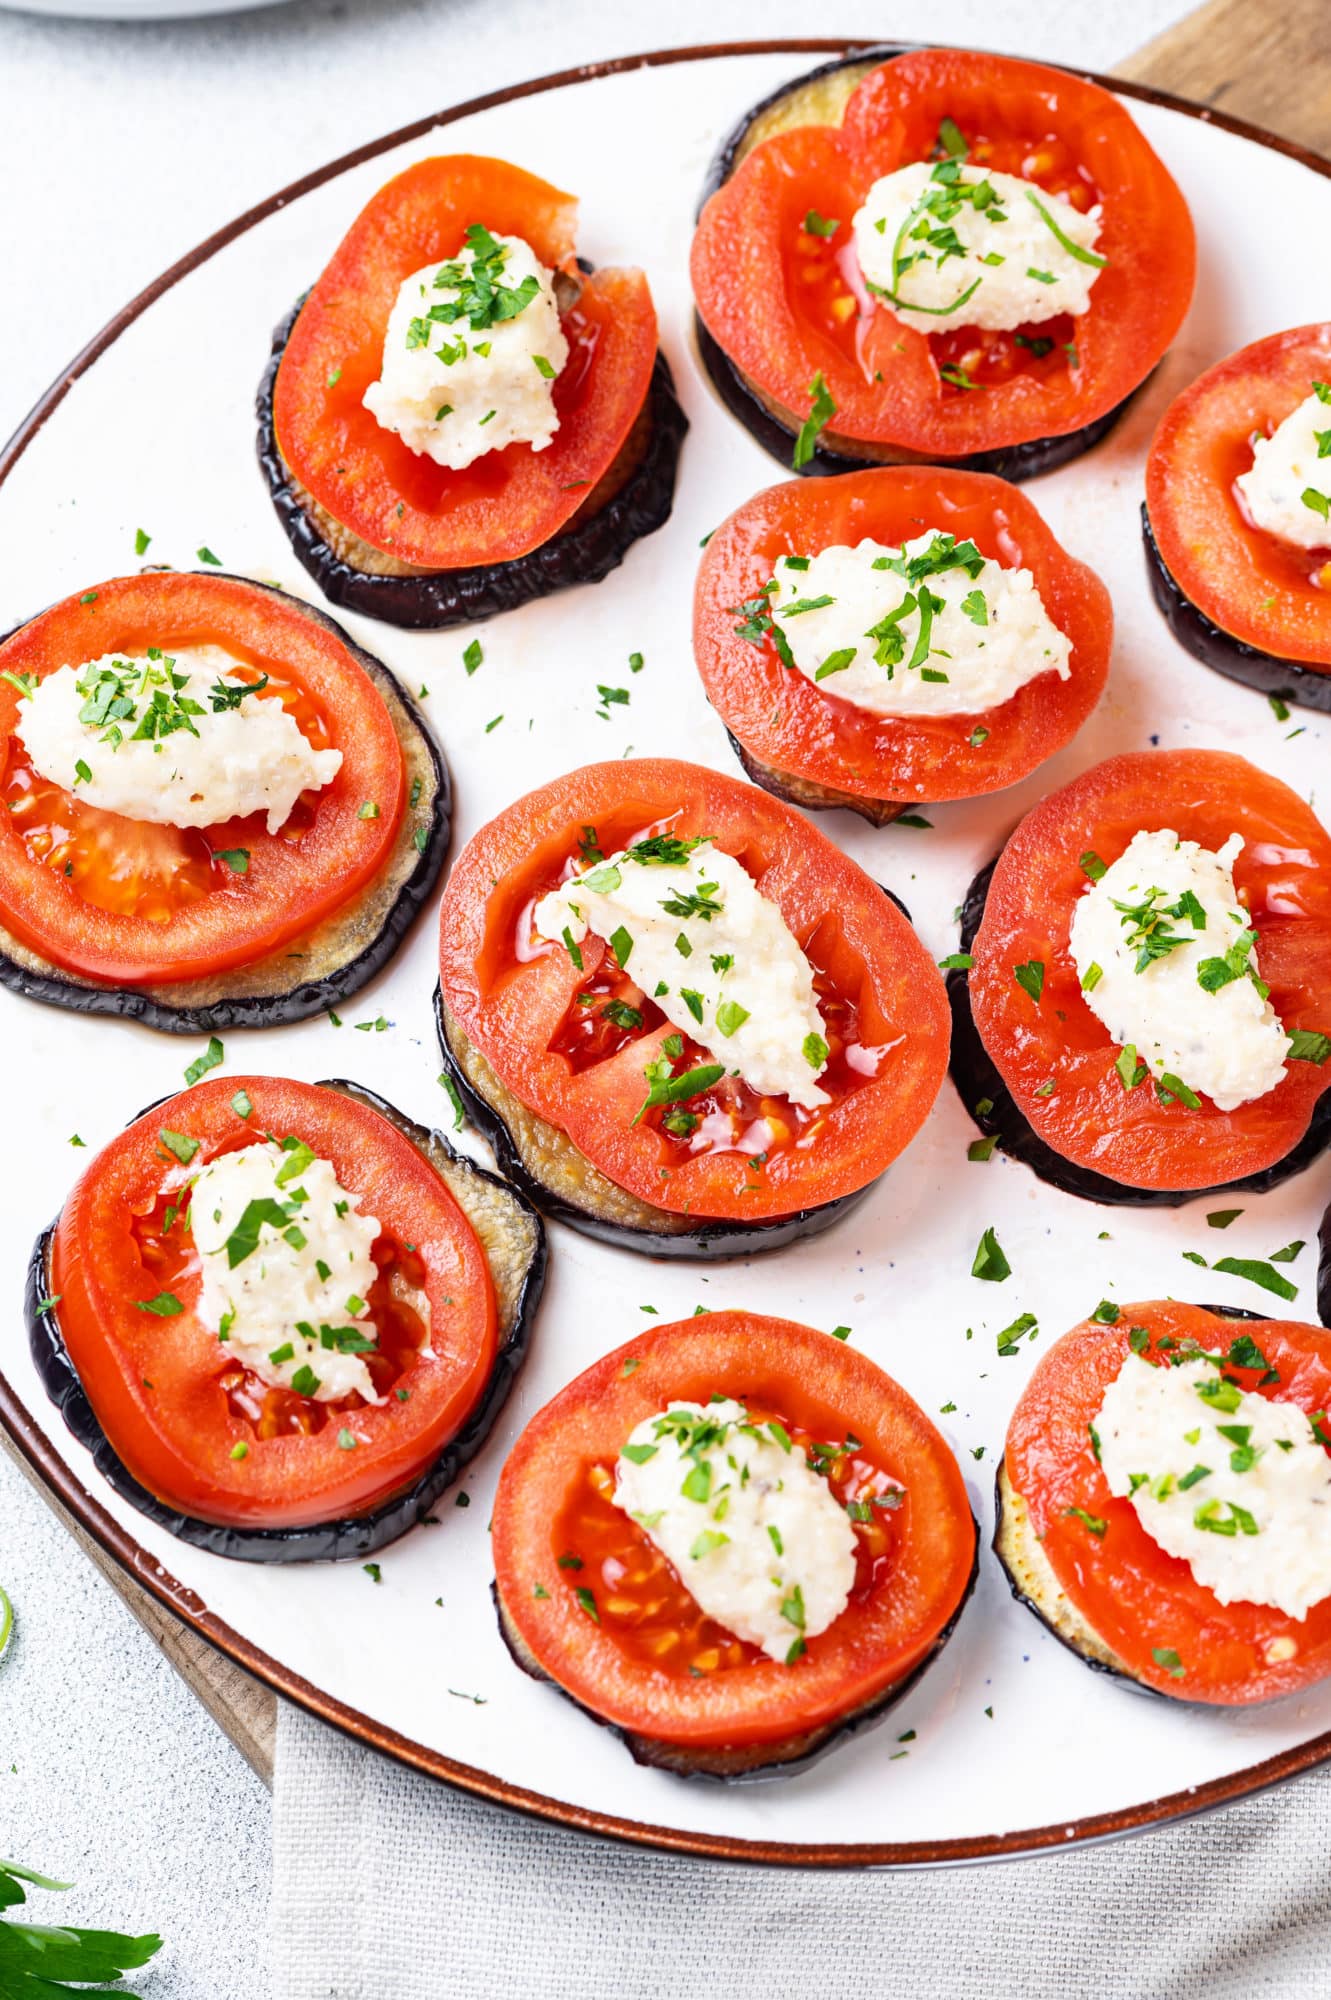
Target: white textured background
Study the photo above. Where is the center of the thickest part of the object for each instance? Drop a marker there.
(121, 146)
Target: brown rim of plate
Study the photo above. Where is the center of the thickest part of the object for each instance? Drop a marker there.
(41, 1457)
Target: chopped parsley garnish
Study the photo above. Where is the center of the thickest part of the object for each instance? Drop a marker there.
(1030, 978)
(166, 1305)
(212, 1056)
(1011, 1336)
(472, 656)
(990, 1261)
(821, 410)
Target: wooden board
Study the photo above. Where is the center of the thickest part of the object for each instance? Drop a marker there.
(1250, 60)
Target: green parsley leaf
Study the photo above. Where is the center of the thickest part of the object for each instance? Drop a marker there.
(1030, 978)
(180, 1144)
(821, 410)
(1257, 1273)
(166, 1305)
(990, 1261)
(212, 1056)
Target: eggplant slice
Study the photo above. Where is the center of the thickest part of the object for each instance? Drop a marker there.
(1294, 680)
(633, 498)
(329, 963)
(819, 97)
(1031, 1577)
(1324, 1270)
(768, 1760)
(987, 1098)
(813, 797)
(513, 1238)
(562, 1182)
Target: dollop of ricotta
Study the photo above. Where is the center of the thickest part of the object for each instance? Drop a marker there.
(952, 245)
(930, 628)
(1234, 1484)
(1287, 490)
(1167, 959)
(716, 956)
(471, 353)
(752, 1532)
(174, 739)
(286, 1268)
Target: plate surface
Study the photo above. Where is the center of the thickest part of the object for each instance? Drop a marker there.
(1015, 1746)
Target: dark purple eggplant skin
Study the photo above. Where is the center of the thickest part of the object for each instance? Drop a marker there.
(314, 996)
(1324, 1270)
(431, 602)
(1268, 673)
(709, 1242)
(977, 1078)
(1015, 462)
(1117, 1674)
(641, 1749)
(355, 1536)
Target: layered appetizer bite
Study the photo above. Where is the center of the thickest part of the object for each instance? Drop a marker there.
(219, 811)
(1238, 516)
(892, 637)
(1143, 1014)
(947, 256)
(687, 1023)
(1165, 1495)
(731, 1541)
(462, 415)
(282, 1316)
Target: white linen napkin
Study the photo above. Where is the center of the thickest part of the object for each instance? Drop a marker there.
(452, 1897)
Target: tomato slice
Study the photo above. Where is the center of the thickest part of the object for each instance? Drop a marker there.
(783, 304)
(130, 903)
(913, 1571)
(516, 997)
(172, 1406)
(809, 732)
(510, 501)
(1136, 1597)
(1254, 586)
(1283, 876)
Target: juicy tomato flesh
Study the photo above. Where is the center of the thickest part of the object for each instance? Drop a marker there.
(731, 1117)
(166, 1245)
(639, 1596)
(1168, 1630)
(137, 868)
(807, 730)
(823, 279)
(1282, 876)
(552, 1501)
(507, 502)
(1252, 584)
(195, 1426)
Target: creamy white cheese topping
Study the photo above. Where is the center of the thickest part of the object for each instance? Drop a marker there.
(752, 1532)
(1167, 959)
(169, 738)
(264, 1291)
(1234, 1484)
(955, 246)
(930, 628)
(717, 957)
(1288, 489)
(456, 388)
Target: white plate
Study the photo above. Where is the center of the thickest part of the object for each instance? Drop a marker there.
(1016, 1744)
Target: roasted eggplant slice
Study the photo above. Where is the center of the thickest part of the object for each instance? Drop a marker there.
(887, 106)
(345, 949)
(680, 1689)
(512, 1238)
(1269, 673)
(633, 499)
(1074, 1552)
(988, 1100)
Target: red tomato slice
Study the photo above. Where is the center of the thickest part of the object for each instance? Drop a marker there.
(130, 903)
(915, 1560)
(784, 304)
(1250, 583)
(1284, 877)
(515, 997)
(173, 1408)
(808, 731)
(510, 501)
(1136, 1597)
